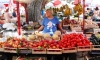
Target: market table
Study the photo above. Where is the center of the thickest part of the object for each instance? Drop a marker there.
(9, 56)
(48, 56)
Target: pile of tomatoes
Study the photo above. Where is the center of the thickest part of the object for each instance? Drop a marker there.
(74, 40)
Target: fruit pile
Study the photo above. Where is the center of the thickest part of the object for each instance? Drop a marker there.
(68, 11)
(44, 44)
(1, 44)
(95, 39)
(17, 43)
(67, 41)
(78, 9)
(74, 40)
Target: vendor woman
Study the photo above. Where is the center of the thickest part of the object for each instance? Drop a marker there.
(50, 23)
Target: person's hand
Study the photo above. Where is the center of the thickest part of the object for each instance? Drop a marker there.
(63, 31)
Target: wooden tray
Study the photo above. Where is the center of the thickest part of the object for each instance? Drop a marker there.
(10, 50)
(1, 49)
(77, 29)
(54, 51)
(96, 47)
(38, 51)
(84, 48)
(88, 35)
(13, 50)
(70, 50)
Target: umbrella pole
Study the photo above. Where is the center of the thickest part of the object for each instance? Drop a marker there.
(18, 18)
(26, 11)
(83, 14)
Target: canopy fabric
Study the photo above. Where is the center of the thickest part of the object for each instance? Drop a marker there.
(25, 1)
(57, 2)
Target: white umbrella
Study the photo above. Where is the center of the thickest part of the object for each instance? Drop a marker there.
(95, 3)
(49, 5)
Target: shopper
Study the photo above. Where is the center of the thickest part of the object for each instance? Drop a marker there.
(14, 16)
(89, 25)
(14, 13)
(96, 14)
(66, 23)
(7, 15)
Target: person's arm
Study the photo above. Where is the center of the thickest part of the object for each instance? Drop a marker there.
(41, 28)
(60, 27)
(61, 23)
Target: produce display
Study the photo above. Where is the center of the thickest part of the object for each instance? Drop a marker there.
(58, 33)
(78, 9)
(95, 40)
(74, 40)
(47, 36)
(1, 44)
(32, 37)
(68, 11)
(67, 41)
(16, 43)
(55, 37)
(98, 35)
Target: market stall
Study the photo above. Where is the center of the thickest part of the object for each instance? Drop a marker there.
(44, 46)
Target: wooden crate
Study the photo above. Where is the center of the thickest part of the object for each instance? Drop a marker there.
(10, 50)
(70, 50)
(96, 31)
(96, 47)
(88, 35)
(14, 50)
(28, 58)
(84, 48)
(38, 51)
(77, 29)
(1, 49)
(54, 51)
